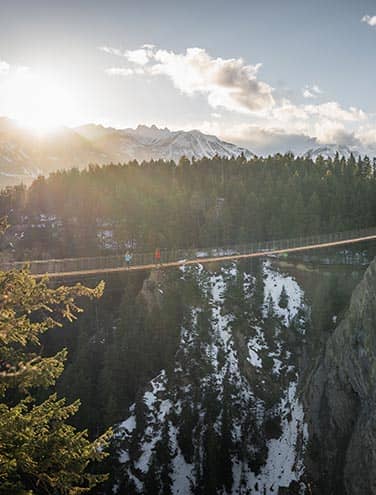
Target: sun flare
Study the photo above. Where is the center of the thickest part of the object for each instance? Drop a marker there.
(38, 102)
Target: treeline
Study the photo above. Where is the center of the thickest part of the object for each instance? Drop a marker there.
(209, 202)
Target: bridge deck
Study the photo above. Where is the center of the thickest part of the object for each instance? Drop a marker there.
(76, 267)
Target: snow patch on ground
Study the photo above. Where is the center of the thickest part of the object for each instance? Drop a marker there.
(274, 282)
(285, 455)
(285, 461)
(182, 471)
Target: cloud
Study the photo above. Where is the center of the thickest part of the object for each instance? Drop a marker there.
(258, 116)
(263, 140)
(331, 132)
(297, 127)
(4, 67)
(288, 126)
(269, 141)
(111, 51)
(310, 119)
(227, 83)
(121, 71)
(311, 91)
(307, 93)
(370, 20)
(278, 141)
(260, 140)
(230, 84)
(7, 69)
(333, 110)
(299, 116)
(140, 56)
(367, 136)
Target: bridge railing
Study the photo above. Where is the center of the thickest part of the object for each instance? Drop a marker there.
(68, 265)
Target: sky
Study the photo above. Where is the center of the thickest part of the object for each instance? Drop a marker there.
(271, 75)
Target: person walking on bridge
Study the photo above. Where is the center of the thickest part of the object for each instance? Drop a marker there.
(128, 259)
(157, 256)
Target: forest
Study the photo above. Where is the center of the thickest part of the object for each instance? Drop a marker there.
(123, 340)
(209, 202)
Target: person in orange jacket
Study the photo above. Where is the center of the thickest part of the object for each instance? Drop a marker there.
(157, 256)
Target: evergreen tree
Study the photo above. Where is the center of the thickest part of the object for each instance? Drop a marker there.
(314, 214)
(152, 485)
(366, 167)
(158, 478)
(226, 444)
(209, 482)
(189, 418)
(164, 457)
(283, 298)
(209, 202)
(270, 310)
(258, 294)
(40, 452)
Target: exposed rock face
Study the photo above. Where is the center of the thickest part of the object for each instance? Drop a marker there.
(342, 397)
(151, 292)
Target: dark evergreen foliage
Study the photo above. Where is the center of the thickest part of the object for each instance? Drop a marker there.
(40, 451)
(206, 203)
(283, 299)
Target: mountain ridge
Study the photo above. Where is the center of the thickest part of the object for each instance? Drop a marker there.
(145, 143)
(24, 154)
(327, 151)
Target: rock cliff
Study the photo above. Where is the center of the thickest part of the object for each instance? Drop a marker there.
(340, 400)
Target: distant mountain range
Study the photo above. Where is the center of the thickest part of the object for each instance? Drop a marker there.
(146, 143)
(330, 151)
(24, 154)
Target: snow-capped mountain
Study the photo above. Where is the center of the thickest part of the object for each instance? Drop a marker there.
(23, 155)
(145, 143)
(330, 150)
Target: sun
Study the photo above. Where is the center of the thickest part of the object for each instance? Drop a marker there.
(38, 102)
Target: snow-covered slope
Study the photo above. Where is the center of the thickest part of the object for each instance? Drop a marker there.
(226, 418)
(330, 150)
(24, 155)
(145, 143)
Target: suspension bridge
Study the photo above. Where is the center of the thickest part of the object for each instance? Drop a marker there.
(100, 265)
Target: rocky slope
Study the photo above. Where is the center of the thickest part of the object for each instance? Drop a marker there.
(341, 400)
(226, 417)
